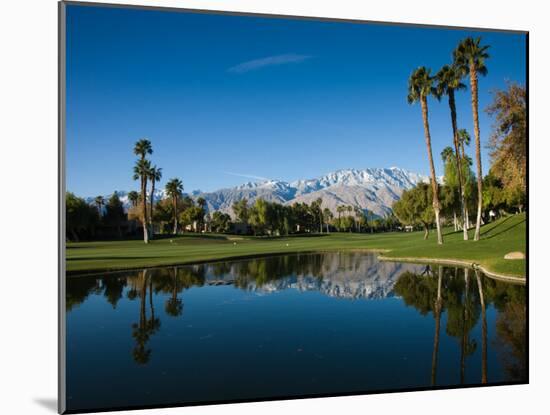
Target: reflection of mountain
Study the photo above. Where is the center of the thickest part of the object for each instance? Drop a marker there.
(344, 275)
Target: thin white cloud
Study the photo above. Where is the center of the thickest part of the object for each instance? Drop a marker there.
(268, 61)
(248, 176)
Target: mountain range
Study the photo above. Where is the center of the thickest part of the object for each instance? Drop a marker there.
(372, 189)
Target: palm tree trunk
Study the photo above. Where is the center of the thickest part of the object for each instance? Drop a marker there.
(436, 205)
(452, 106)
(151, 202)
(144, 207)
(175, 215)
(473, 87)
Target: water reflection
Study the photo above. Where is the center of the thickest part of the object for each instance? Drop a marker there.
(452, 291)
(346, 307)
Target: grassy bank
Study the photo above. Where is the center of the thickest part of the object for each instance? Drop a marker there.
(498, 238)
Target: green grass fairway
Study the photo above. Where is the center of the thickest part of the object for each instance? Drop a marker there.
(498, 238)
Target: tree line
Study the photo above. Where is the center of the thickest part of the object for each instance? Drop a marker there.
(506, 182)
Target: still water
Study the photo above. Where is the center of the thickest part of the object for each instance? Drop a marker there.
(283, 326)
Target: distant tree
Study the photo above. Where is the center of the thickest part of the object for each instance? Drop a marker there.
(99, 202)
(469, 57)
(221, 222)
(508, 141)
(241, 210)
(133, 197)
(340, 210)
(415, 207)
(114, 213)
(80, 216)
(258, 216)
(201, 203)
(317, 212)
(174, 189)
(327, 217)
(420, 88)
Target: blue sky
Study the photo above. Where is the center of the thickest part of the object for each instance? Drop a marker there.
(227, 97)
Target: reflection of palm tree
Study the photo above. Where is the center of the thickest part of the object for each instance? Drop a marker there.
(464, 343)
(143, 330)
(174, 305)
(483, 331)
(437, 314)
(140, 332)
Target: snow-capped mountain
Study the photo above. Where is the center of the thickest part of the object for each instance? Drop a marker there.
(375, 189)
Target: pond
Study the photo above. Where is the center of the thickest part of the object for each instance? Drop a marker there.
(285, 326)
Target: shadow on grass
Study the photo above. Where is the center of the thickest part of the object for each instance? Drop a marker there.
(489, 234)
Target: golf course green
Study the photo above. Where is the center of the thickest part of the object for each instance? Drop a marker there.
(497, 238)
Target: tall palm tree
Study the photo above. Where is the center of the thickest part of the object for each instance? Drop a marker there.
(174, 188)
(469, 56)
(464, 140)
(133, 197)
(155, 174)
(141, 172)
(100, 202)
(448, 81)
(420, 87)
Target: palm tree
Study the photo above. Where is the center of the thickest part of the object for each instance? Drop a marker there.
(100, 202)
(349, 209)
(201, 203)
(469, 57)
(155, 174)
(340, 210)
(327, 216)
(141, 172)
(142, 148)
(463, 140)
(174, 188)
(420, 87)
(448, 81)
(133, 197)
